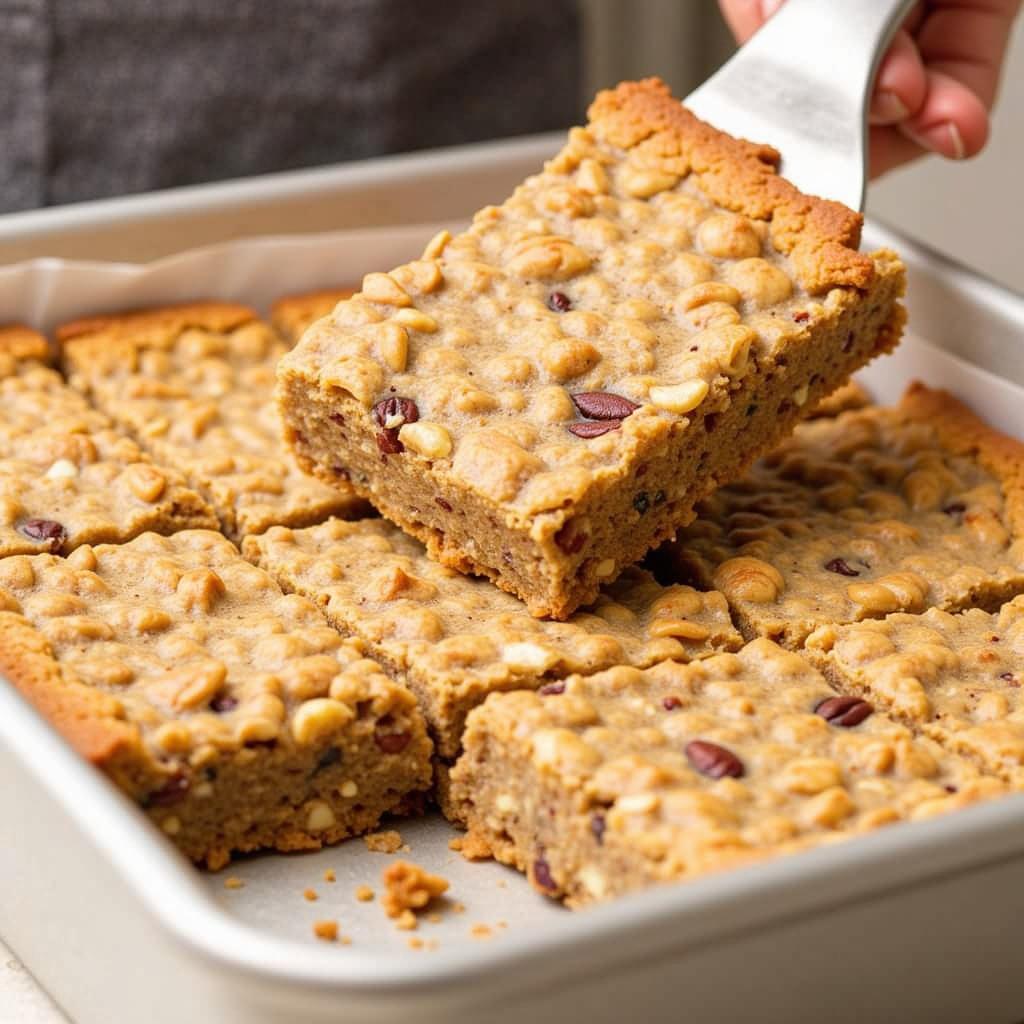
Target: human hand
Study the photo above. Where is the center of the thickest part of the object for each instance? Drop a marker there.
(937, 83)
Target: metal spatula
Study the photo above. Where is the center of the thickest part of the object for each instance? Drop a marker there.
(803, 85)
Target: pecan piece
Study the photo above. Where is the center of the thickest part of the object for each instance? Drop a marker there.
(603, 405)
(593, 428)
(844, 711)
(391, 414)
(44, 530)
(841, 567)
(712, 760)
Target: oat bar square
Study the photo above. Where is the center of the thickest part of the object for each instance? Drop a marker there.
(546, 396)
(454, 639)
(634, 777)
(958, 678)
(880, 510)
(233, 714)
(194, 385)
(67, 476)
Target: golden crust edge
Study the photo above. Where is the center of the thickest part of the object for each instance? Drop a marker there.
(88, 719)
(820, 235)
(21, 342)
(171, 319)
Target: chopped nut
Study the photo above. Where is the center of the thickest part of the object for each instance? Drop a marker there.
(430, 440)
(416, 320)
(679, 398)
(385, 289)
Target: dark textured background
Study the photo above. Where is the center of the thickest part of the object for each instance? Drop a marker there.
(105, 97)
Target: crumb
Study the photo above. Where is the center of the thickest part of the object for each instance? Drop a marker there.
(326, 930)
(455, 843)
(502, 884)
(434, 917)
(433, 943)
(345, 940)
(406, 921)
(473, 847)
(459, 908)
(416, 943)
(330, 876)
(384, 842)
(364, 893)
(231, 882)
(408, 887)
(503, 924)
(310, 894)
(481, 931)
(405, 848)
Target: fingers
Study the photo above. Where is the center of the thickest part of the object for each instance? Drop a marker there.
(952, 121)
(901, 86)
(936, 83)
(744, 17)
(968, 42)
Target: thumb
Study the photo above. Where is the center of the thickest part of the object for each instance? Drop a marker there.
(745, 17)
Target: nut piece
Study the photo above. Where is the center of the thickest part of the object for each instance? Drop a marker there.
(430, 440)
(385, 289)
(728, 236)
(392, 343)
(319, 718)
(643, 182)
(749, 579)
(62, 469)
(679, 398)
(591, 177)
(416, 320)
(550, 257)
(146, 482)
(437, 244)
(707, 291)
(319, 816)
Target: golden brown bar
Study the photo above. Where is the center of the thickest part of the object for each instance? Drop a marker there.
(631, 778)
(546, 396)
(193, 384)
(230, 712)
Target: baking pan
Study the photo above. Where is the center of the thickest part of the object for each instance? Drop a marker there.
(918, 921)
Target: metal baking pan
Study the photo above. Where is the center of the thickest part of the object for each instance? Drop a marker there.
(915, 922)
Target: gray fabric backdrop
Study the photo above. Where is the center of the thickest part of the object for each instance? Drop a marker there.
(105, 97)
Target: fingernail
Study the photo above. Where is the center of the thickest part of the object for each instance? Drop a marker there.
(944, 138)
(888, 108)
(769, 7)
(959, 149)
